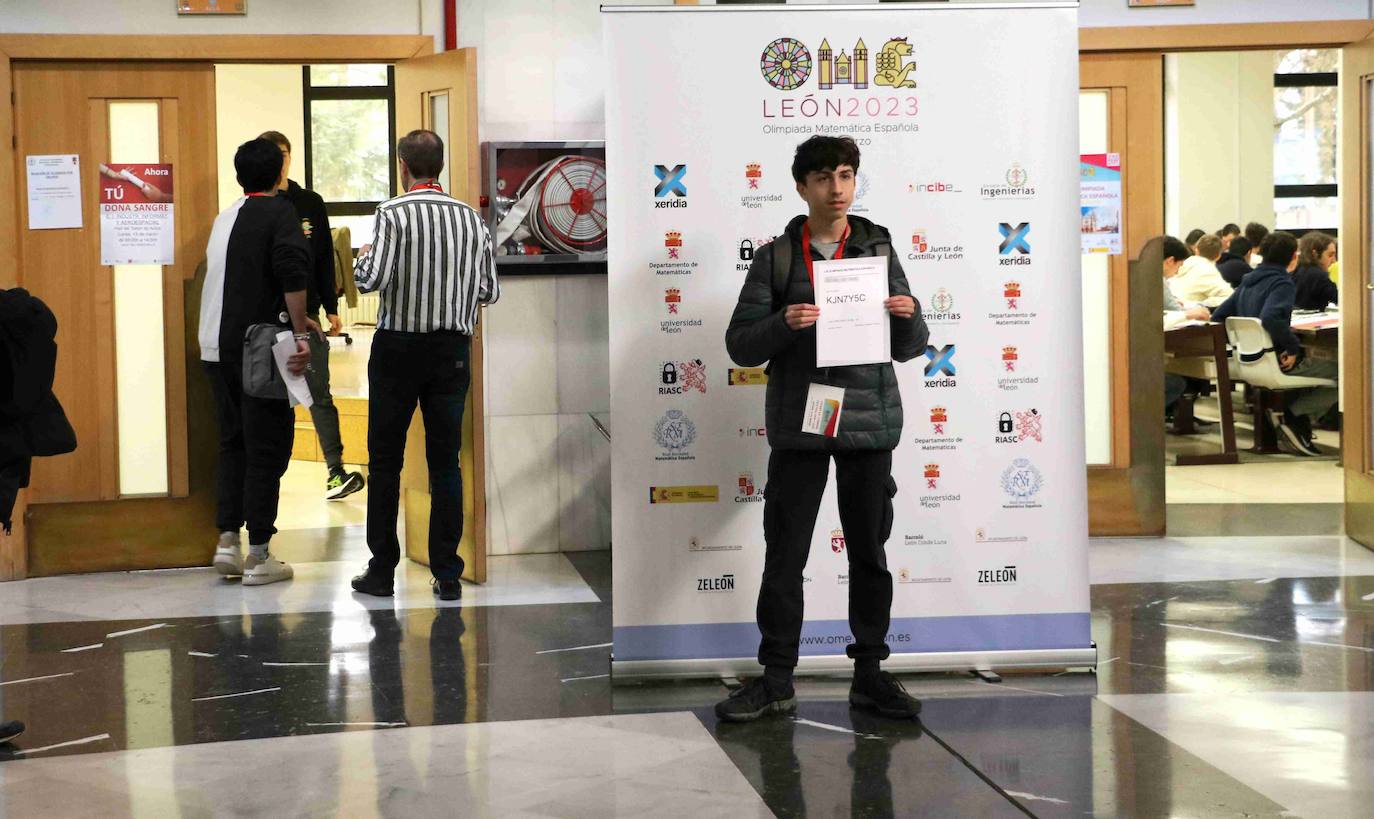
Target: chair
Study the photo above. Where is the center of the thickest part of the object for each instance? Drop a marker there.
(1253, 362)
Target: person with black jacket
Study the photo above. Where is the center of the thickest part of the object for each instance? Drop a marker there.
(776, 323)
(32, 423)
(321, 290)
(257, 263)
(1267, 294)
(1315, 290)
(1235, 261)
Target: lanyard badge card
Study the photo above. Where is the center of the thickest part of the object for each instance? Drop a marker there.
(823, 407)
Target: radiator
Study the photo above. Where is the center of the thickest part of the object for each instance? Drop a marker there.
(364, 313)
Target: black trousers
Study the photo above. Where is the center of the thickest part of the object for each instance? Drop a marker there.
(792, 497)
(255, 436)
(433, 370)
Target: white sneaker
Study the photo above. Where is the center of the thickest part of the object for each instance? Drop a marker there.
(270, 570)
(228, 555)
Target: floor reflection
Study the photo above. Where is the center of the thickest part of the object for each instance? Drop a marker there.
(1213, 698)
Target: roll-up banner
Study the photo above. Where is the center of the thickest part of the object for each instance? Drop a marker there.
(967, 119)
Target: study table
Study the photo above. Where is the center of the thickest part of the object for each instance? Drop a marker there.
(1319, 333)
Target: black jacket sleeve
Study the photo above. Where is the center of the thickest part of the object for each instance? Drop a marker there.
(757, 331)
(290, 252)
(909, 336)
(322, 247)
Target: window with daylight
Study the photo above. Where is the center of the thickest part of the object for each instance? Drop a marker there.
(350, 136)
(1306, 96)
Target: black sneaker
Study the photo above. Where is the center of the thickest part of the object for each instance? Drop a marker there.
(1296, 431)
(447, 589)
(882, 692)
(10, 730)
(755, 698)
(1303, 426)
(369, 582)
(342, 484)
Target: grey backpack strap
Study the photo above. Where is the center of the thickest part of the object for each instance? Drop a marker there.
(782, 269)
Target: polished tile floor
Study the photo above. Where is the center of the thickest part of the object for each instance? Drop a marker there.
(1282, 478)
(1236, 678)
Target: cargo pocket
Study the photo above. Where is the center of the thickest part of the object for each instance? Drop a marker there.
(888, 513)
(770, 512)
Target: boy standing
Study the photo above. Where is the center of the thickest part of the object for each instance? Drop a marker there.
(776, 323)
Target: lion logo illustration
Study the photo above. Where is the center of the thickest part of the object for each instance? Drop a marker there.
(893, 69)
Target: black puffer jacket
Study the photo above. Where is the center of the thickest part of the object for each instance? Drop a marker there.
(872, 413)
(32, 422)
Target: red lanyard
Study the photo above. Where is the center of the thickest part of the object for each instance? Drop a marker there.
(425, 186)
(806, 249)
(262, 193)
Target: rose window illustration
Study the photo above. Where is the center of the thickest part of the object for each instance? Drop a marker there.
(786, 63)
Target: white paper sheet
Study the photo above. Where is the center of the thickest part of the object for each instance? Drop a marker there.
(853, 327)
(54, 182)
(297, 390)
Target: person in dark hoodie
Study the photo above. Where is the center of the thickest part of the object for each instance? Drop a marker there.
(774, 321)
(1235, 262)
(320, 291)
(1267, 294)
(1315, 290)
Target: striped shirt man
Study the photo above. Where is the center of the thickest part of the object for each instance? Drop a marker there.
(431, 261)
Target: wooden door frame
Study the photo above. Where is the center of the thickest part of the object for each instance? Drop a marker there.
(1357, 105)
(1126, 495)
(150, 48)
(1134, 482)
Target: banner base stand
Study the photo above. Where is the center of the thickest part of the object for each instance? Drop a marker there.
(631, 671)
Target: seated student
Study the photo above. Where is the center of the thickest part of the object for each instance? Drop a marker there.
(1255, 234)
(1193, 236)
(1228, 232)
(1267, 294)
(1198, 281)
(1316, 254)
(1175, 312)
(1235, 263)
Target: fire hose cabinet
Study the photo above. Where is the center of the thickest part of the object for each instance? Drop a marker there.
(545, 203)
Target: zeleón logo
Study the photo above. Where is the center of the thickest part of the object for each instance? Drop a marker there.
(724, 583)
(996, 577)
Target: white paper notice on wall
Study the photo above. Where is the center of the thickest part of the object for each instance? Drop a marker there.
(54, 191)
